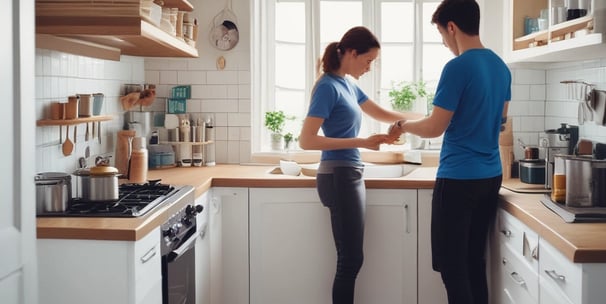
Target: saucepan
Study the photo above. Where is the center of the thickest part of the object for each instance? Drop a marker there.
(97, 184)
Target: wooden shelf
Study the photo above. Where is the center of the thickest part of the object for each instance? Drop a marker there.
(117, 28)
(65, 122)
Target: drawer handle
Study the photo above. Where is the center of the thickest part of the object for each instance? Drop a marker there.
(535, 253)
(506, 233)
(148, 255)
(407, 218)
(555, 276)
(517, 278)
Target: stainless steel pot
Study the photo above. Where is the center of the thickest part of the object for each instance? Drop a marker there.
(585, 182)
(53, 192)
(97, 184)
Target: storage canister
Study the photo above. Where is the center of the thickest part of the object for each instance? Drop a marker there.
(53, 192)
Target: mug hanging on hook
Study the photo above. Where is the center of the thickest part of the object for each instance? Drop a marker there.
(224, 34)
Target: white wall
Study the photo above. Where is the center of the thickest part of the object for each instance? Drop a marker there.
(540, 101)
(59, 75)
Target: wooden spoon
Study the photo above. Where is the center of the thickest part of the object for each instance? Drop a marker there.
(68, 146)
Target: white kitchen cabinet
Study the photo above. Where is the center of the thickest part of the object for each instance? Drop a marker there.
(293, 257)
(556, 43)
(515, 264)
(203, 250)
(562, 281)
(228, 233)
(98, 271)
(431, 288)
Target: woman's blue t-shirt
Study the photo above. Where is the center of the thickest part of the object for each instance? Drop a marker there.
(337, 100)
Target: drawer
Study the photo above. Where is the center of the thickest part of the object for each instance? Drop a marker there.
(519, 282)
(147, 262)
(560, 274)
(522, 241)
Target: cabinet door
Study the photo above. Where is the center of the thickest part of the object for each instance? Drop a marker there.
(293, 256)
(17, 123)
(203, 251)
(229, 246)
(431, 288)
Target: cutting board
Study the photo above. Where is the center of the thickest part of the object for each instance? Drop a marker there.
(515, 185)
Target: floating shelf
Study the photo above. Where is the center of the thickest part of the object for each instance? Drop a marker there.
(69, 122)
(187, 143)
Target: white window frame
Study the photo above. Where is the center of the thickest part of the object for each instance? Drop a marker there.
(263, 12)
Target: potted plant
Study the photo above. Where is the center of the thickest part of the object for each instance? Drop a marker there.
(288, 139)
(403, 95)
(274, 122)
(402, 98)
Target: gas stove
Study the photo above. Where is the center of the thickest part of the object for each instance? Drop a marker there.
(134, 200)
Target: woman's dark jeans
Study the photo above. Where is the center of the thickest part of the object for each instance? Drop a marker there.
(462, 213)
(344, 193)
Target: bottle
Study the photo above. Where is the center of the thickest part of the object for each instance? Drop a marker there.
(210, 147)
(137, 172)
(558, 188)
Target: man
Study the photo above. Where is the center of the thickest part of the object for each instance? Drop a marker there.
(469, 107)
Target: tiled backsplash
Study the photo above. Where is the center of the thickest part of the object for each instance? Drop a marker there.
(539, 100)
(59, 75)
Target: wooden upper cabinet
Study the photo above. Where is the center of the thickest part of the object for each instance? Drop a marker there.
(107, 29)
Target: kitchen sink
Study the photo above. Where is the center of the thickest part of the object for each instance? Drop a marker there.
(371, 170)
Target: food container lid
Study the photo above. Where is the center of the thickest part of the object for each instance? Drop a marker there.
(47, 176)
(103, 170)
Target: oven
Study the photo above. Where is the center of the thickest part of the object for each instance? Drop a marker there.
(178, 256)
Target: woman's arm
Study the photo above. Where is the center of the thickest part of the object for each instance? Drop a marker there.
(381, 114)
(310, 140)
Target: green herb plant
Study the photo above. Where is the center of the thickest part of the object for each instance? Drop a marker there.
(403, 95)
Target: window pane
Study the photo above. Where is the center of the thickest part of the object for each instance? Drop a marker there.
(292, 103)
(336, 17)
(290, 66)
(430, 31)
(290, 22)
(396, 64)
(434, 58)
(397, 22)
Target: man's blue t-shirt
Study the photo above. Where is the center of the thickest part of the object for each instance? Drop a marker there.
(475, 86)
(337, 100)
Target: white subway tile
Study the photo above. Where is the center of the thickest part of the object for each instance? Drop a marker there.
(537, 92)
(168, 77)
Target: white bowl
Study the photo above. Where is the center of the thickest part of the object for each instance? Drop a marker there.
(290, 167)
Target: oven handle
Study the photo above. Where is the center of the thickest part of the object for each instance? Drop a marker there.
(177, 253)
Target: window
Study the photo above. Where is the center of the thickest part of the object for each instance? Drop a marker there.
(289, 37)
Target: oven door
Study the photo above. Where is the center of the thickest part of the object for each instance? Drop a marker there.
(178, 271)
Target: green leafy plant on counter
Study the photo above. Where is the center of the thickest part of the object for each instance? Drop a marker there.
(288, 139)
(403, 95)
(274, 121)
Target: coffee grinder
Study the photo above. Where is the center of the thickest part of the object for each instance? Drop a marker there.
(561, 141)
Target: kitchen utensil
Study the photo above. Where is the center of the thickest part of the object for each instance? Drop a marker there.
(585, 182)
(67, 146)
(53, 192)
(224, 34)
(530, 152)
(532, 171)
(99, 131)
(598, 106)
(86, 134)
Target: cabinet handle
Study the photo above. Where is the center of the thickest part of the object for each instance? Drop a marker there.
(148, 255)
(535, 253)
(555, 276)
(504, 261)
(216, 206)
(407, 218)
(506, 233)
(517, 278)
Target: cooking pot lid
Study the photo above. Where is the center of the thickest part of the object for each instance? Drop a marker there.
(103, 170)
(52, 176)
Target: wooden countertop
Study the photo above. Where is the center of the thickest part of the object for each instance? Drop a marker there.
(579, 242)
(201, 178)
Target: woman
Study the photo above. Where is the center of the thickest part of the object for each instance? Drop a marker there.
(469, 107)
(336, 106)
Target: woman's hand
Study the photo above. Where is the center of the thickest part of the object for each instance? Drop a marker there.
(374, 142)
